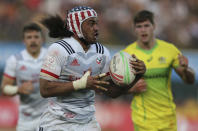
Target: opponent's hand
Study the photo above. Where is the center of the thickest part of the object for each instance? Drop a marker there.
(26, 88)
(138, 65)
(185, 72)
(183, 61)
(139, 87)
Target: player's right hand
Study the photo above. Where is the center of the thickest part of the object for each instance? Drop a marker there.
(138, 65)
(26, 88)
(96, 83)
(139, 87)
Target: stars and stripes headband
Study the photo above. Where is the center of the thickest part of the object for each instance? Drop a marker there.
(77, 16)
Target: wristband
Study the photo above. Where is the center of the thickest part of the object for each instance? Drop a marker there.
(10, 90)
(82, 82)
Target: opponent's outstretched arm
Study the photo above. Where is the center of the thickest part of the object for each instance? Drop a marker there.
(184, 71)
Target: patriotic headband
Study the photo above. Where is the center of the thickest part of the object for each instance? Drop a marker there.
(77, 16)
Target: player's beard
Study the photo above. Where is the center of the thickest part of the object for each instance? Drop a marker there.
(85, 42)
(34, 48)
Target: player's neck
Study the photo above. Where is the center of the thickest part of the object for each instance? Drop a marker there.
(83, 43)
(147, 45)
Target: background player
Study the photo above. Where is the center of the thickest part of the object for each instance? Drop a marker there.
(153, 108)
(69, 74)
(24, 69)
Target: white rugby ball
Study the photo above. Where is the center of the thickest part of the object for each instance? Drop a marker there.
(121, 71)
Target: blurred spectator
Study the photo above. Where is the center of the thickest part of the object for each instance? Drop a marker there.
(178, 20)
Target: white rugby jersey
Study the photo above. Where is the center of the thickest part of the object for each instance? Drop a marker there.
(67, 61)
(23, 67)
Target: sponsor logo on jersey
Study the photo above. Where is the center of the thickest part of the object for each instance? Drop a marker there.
(23, 68)
(150, 59)
(162, 60)
(98, 60)
(75, 63)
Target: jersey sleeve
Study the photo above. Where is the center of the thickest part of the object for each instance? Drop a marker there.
(10, 67)
(53, 62)
(176, 52)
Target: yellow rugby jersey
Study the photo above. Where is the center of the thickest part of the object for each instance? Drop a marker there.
(157, 101)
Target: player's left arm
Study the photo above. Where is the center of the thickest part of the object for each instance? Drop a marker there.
(184, 71)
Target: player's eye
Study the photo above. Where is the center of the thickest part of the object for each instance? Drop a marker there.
(29, 37)
(147, 25)
(36, 36)
(138, 26)
(92, 22)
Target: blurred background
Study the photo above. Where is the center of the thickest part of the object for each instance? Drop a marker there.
(177, 22)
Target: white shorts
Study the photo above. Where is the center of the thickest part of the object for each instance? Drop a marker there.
(53, 124)
(28, 125)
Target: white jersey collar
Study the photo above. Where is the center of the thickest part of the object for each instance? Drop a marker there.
(77, 46)
(26, 55)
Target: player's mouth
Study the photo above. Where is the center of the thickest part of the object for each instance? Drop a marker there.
(96, 35)
(144, 35)
(34, 46)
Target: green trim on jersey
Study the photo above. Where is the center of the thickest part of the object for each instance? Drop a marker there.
(157, 73)
(147, 51)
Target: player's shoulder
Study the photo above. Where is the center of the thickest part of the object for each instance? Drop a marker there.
(166, 45)
(20, 55)
(15, 57)
(11, 58)
(163, 42)
(131, 47)
(101, 49)
(61, 46)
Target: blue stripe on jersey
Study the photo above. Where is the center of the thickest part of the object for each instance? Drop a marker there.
(99, 48)
(102, 49)
(96, 47)
(64, 47)
(40, 128)
(67, 47)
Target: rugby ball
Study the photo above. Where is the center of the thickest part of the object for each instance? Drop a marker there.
(120, 70)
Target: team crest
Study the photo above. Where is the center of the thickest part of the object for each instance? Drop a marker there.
(98, 60)
(162, 60)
